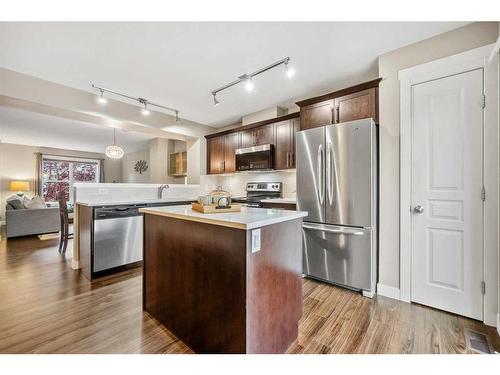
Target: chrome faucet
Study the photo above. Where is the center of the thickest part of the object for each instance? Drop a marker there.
(160, 190)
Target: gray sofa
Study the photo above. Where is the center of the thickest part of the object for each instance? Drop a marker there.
(25, 222)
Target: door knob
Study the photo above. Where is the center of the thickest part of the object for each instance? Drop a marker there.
(418, 209)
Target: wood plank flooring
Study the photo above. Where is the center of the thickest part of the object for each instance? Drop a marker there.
(46, 307)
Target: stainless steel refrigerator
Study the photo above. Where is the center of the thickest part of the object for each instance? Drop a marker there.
(337, 186)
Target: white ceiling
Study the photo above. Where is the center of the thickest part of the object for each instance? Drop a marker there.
(179, 64)
(34, 129)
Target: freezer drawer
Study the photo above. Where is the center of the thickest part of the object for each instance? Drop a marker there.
(340, 255)
(117, 242)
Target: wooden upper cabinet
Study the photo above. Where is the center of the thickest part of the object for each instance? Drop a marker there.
(231, 143)
(280, 132)
(348, 104)
(247, 138)
(284, 143)
(356, 106)
(317, 114)
(215, 154)
(261, 135)
(264, 135)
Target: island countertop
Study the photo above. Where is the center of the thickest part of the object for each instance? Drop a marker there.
(248, 218)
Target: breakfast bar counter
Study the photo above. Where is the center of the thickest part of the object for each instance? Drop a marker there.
(224, 282)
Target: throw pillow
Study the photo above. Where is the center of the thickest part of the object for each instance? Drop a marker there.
(34, 203)
(16, 202)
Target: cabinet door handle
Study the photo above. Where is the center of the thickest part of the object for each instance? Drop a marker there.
(338, 114)
(291, 159)
(287, 159)
(224, 165)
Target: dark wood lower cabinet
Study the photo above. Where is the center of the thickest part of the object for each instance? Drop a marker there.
(204, 283)
(280, 206)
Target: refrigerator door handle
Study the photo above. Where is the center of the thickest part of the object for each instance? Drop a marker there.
(320, 166)
(329, 172)
(322, 228)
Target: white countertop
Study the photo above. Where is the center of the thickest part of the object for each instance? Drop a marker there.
(248, 218)
(280, 200)
(138, 201)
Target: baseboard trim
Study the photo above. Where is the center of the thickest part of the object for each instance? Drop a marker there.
(388, 291)
(498, 324)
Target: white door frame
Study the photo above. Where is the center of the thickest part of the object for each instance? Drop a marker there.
(466, 61)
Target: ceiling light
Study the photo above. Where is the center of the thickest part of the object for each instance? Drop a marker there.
(290, 71)
(247, 78)
(101, 98)
(145, 102)
(249, 86)
(216, 102)
(114, 151)
(145, 110)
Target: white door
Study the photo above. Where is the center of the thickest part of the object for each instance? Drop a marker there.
(447, 182)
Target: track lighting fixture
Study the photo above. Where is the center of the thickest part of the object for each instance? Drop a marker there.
(247, 79)
(145, 110)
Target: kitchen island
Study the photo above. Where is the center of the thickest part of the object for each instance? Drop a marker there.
(224, 282)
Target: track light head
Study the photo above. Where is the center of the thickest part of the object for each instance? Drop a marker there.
(249, 85)
(290, 71)
(216, 102)
(102, 99)
(145, 110)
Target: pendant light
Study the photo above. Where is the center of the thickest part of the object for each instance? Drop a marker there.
(114, 151)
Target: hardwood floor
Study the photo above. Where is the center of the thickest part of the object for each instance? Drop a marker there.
(46, 307)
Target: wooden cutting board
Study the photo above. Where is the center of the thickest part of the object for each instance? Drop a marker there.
(212, 208)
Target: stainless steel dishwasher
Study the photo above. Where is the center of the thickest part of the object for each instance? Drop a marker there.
(118, 237)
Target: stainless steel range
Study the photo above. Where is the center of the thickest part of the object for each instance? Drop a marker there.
(257, 191)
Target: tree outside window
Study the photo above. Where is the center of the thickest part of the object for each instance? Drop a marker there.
(58, 175)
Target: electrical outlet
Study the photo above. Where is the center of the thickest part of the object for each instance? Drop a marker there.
(255, 240)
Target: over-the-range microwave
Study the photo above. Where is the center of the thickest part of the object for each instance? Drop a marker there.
(255, 158)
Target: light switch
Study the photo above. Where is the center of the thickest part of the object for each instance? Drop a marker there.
(255, 240)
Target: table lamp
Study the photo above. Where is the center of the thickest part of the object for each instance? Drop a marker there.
(19, 186)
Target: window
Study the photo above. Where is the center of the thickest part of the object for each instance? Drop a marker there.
(60, 173)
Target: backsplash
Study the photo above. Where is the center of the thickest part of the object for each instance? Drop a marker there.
(236, 183)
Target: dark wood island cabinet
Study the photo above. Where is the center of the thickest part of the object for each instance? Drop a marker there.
(219, 288)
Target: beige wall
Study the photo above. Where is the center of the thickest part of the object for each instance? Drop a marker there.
(447, 44)
(128, 173)
(17, 162)
(265, 114)
(159, 151)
